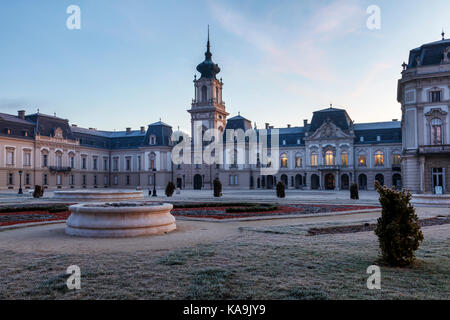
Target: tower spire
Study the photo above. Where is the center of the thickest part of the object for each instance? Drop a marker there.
(443, 34)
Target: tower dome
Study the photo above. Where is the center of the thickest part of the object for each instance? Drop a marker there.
(208, 68)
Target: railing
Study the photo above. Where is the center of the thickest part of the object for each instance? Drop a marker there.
(330, 167)
(442, 148)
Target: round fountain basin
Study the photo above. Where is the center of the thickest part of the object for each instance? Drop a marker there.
(97, 195)
(119, 219)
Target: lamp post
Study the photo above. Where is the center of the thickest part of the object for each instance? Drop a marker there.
(154, 182)
(20, 182)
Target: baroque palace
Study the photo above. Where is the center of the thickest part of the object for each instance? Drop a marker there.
(329, 152)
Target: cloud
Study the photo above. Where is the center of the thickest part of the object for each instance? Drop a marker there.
(290, 51)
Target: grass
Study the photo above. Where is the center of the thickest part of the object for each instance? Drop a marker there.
(254, 265)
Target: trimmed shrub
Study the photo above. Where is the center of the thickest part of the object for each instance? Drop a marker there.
(38, 192)
(398, 228)
(217, 188)
(354, 191)
(170, 188)
(280, 190)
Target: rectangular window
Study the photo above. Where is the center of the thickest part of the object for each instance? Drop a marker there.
(231, 180)
(105, 180)
(84, 179)
(10, 158)
(27, 159)
(72, 162)
(128, 180)
(10, 178)
(44, 161)
(298, 162)
(116, 180)
(45, 179)
(362, 161)
(396, 159)
(83, 163)
(437, 134)
(116, 164)
(128, 164)
(344, 159)
(71, 180)
(105, 164)
(95, 180)
(58, 180)
(314, 160)
(435, 96)
(139, 163)
(95, 163)
(27, 179)
(150, 180)
(236, 180)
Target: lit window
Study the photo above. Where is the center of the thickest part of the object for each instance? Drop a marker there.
(362, 160)
(396, 159)
(284, 161)
(378, 158)
(314, 159)
(344, 158)
(329, 158)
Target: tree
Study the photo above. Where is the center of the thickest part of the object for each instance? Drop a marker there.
(217, 188)
(398, 228)
(170, 188)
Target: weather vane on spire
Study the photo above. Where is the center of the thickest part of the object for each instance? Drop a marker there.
(443, 34)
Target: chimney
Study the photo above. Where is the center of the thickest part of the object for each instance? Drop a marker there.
(21, 114)
(305, 123)
(128, 130)
(74, 125)
(394, 119)
(142, 129)
(288, 125)
(267, 125)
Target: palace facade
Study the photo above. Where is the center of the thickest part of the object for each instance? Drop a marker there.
(329, 152)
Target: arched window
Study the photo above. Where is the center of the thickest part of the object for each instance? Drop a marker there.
(436, 131)
(313, 159)
(204, 94)
(379, 158)
(284, 160)
(217, 94)
(329, 158)
(344, 158)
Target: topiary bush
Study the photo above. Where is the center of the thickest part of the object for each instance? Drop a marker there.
(38, 192)
(217, 188)
(170, 188)
(398, 228)
(354, 191)
(280, 190)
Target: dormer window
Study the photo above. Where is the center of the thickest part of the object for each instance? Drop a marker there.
(25, 133)
(152, 140)
(378, 138)
(284, 142)
(361, 139)
(299, 141)
(8, 131)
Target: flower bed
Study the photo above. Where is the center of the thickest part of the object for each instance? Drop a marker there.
(12, 218)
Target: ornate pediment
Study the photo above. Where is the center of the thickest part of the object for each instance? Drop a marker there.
(328, 130)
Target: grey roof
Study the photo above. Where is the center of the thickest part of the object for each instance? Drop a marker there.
(338, 116)
(428, 54)
(12, 118)
(377, 125)
(108, 134)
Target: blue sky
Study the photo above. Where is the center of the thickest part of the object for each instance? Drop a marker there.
(133, 61)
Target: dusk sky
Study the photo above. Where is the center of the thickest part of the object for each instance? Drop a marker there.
(133, 62)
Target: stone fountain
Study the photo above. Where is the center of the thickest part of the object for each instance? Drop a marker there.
(120, 219)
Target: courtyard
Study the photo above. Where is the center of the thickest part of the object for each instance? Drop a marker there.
(268, 257)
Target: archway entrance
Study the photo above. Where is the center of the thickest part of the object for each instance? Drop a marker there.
(198, 182)
(362, 182)
(329, 181)
(284, 179)
(380, 178)
(298, 181)
(315, 182)
(179, 183)
(270, 182)
(345, 182)
(397, 181)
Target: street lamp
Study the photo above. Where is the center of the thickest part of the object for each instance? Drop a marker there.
(20, 182)
(154, 182)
